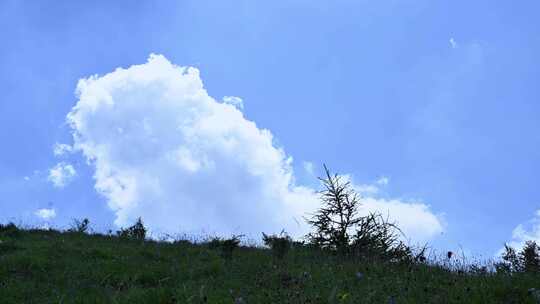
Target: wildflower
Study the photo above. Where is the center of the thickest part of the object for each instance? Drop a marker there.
(239, 300)
(359, 275)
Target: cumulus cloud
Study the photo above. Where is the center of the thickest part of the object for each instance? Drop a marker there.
(163, 149)
(61, 174)
(370, 189)
(367, 189)
(62, 149)
(45, 214)
(180, 159)
(526, 232)
(234, 101)
(415, 219)
(309, 167)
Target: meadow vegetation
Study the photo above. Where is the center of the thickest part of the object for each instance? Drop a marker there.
(347, 258)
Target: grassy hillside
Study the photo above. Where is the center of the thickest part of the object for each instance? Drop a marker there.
(38, 266)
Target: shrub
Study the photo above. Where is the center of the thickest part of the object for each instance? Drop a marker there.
(527, 260)
(529, 257)
(225, 246)
(79, 226)
(228, 246)
(137, 231)
(214, 243)
(511, 261)
(376, 237)
(9, 230)
(279, 244)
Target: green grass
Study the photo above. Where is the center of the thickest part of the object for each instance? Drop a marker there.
(38, 266)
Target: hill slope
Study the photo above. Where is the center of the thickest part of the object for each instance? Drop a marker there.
(38, 266)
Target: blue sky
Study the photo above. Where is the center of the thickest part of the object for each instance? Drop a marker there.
(439, 97)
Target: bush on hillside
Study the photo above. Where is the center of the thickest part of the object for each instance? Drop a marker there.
(136, 232)
(79, 226)
(225, 246)
(526, 260)
(9, 230)
(279, 244)
(376, 237)
(530, 257)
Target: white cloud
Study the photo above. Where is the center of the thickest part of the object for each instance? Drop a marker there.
(26, 178)
(370, 189)
(415, 219)
(367, 189)
(526, 232)
(383, 181)
(309, 167)
(234, 101)
(453, 43)
(61, 174)
(182, 160)
(185, 162)
(45, 214)
(62, 149)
